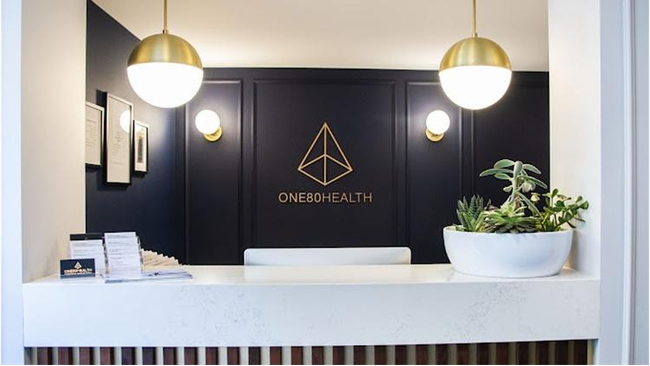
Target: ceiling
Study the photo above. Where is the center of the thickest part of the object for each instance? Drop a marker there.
(387, 34)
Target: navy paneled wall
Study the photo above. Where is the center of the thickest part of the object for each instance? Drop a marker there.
(239, 190)
(152, 204)
(386, 183)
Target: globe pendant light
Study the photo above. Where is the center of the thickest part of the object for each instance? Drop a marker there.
(475, 72)
(164, 69)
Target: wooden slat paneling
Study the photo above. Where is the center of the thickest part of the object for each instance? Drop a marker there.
(128, 355)
(65, 356)
(441, 354)
(522, 353)
(169, 356)
(85, 355)
(562, 353)
(339, 355)
(317, 356)
(483, 353)
(276, 355)
(380, 355)
(581, 349)
(106, 356)
(400, 355)
(542, 353)
(254, 356)
(502, 353)
(421, 355)
(211, 356)
(44, 356)
(462, 354)
(359, 355)
(148, 355)
(296, 356)
(233, 356)
(190, 355)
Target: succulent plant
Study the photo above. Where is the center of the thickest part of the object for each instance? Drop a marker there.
(558, 210)
(517, 173)
(471, 215)
(520, 212)
(509, 219)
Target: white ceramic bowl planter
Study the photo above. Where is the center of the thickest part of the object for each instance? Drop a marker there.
(507, 255)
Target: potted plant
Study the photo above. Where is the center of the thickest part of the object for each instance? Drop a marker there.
(529, 235)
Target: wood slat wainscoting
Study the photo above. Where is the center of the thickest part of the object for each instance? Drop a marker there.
(575, 352)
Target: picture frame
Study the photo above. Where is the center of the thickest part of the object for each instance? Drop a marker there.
(94, 131)
(118, 140)
(140, 147)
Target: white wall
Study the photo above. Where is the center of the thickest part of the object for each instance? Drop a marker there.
(616, 139)
(42, 147)
(53, 95)
(594, 148)
(575, 117)
(640, 350)
(10, 217)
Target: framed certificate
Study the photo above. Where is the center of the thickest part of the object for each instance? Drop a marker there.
(140, 147)
(94, 134)
(118, 136)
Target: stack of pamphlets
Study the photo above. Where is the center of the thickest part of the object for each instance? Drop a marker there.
(89, 246)
(120, 258)
(123, 253)
(154, 259)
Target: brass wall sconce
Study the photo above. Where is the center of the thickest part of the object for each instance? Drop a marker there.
(437, 124)
(208, 123)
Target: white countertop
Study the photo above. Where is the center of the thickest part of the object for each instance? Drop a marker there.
(311, 305)
(318, 275)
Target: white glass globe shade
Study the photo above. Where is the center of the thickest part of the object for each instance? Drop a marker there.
(165, 84)
(125, 121)
(475, 87)
(438, 122)
(207, 122)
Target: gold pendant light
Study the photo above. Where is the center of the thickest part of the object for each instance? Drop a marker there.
(164, 69)
(475, 72)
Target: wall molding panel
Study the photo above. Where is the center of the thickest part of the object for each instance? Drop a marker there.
(214, 175)
(255, 240)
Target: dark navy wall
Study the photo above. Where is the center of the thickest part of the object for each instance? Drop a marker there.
(270, 117)
(152, 205)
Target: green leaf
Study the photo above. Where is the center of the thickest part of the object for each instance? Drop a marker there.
(504, 163)
(532, 168)
(494, 171)
(538, 182)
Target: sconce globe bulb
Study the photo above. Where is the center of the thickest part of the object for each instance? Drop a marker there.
(207, 121)
(438, 122)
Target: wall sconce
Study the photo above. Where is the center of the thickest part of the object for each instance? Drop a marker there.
(209, 124)
(437, 125)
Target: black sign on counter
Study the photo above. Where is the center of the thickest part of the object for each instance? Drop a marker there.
(71, 268)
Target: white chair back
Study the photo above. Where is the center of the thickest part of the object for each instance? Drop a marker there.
(326, 256)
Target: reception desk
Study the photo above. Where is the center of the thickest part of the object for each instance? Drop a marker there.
(312, 306)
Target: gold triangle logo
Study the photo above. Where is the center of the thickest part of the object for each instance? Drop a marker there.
(325, 161)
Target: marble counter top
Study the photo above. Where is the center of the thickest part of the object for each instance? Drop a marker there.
(315, 305)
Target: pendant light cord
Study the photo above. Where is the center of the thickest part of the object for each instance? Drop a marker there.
(165, 31)
(474, 33)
